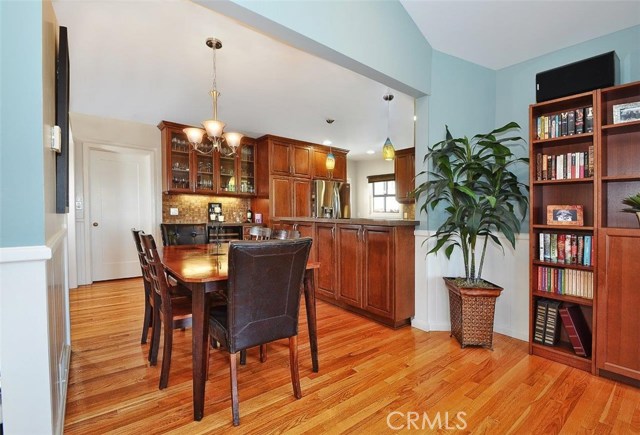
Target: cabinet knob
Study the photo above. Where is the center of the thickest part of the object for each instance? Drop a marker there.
(95, 224)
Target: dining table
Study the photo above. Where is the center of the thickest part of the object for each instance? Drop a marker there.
(203, 269)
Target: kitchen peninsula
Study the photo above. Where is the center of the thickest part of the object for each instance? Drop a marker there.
(366, 265)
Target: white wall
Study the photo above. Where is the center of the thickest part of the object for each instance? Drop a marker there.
(509, 270)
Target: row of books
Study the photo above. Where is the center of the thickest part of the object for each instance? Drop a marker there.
(566, 248)
(547, 325)
(569, 282)
(565, 166)
(565, 123)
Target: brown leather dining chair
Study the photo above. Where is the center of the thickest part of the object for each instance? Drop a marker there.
(260, 311)
(184, 234)
(285, 234)
(259, 233)
(172, 306)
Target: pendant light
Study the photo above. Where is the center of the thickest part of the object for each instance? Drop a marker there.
(388, 152)
(330, 163)
(224, 143)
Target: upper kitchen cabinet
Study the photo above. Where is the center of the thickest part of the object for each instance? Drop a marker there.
(404, 168)
(186, 171)
(320, 171)
(288, 157)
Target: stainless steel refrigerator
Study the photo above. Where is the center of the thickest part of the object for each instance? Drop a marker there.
(331, 199)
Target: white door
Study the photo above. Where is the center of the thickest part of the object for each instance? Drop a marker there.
(120, 199)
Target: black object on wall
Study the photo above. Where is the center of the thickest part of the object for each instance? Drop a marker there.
(585, 75)
(62, 120)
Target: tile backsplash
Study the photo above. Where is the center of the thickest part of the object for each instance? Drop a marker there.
(193, 208)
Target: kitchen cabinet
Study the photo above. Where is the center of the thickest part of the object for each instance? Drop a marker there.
(186, 171)
(284, 174)
(404, 168)
(320, 171)
(288, 158)
(366, 266)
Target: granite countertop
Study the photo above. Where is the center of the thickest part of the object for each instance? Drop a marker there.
(356, 221)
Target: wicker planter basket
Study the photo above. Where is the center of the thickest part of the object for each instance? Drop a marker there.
(472, 311)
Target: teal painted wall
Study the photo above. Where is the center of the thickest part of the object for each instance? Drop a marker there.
(515, 89)
(378, 34)
(21, 133)
(464, 98)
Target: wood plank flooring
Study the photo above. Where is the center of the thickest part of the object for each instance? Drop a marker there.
(372, 380)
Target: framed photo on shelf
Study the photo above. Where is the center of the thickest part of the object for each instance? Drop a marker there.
(626, 112)
(565, 215)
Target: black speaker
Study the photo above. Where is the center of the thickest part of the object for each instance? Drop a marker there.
(585, 75)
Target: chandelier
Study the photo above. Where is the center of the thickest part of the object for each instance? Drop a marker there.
(225, 143)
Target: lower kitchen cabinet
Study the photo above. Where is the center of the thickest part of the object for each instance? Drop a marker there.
(325, 250)
(374, 271)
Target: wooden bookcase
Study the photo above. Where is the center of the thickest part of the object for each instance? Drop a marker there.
(611, 304)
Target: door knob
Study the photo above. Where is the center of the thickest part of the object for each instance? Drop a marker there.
(95, 224)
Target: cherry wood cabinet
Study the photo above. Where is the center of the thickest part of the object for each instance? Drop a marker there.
(186, 171)
(285, 168)
(320, 171)
(613, 148)
(618, 301)
(326, 254)
(364, 267)
(404, 168)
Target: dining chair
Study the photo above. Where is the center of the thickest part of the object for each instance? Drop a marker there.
(285, 234)
(172, 307)
(260, 311)
(259, 233)
(148, 289)
(184, 234)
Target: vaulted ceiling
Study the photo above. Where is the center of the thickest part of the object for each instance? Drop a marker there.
(147, 61)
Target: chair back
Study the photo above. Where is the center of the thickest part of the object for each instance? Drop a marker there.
(144, 266)
(285, 234)
(264, 290)
(184, 234)
(259, 233)
(157, 274)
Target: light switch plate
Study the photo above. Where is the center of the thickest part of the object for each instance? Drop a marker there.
(173, 211)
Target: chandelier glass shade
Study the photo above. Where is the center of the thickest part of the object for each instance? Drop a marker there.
(225, 143)
(331, 161)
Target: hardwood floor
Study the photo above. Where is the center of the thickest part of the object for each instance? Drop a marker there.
(370, 377)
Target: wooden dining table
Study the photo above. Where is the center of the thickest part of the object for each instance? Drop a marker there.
(203, 270)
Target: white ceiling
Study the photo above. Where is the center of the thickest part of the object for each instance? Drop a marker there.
(497, 34)
(147, 61)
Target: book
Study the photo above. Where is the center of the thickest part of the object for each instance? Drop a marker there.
(564, 123)
(541, 321)
(577, 329)
(571, 122)
(579, 123)
(588, 119)
(539, 166)
(561, 249)
(545, 162)
(551, 332)
(580, 255)
(547, 247)
(554, 248)
(541, 247)
(590, 161)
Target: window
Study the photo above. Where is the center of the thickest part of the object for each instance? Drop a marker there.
(383, 194)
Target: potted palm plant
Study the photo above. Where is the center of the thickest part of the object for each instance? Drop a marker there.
(633, 202)
(472, 183)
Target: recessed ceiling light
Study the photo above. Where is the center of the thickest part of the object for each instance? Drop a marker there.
(326, 142)
(371, 152)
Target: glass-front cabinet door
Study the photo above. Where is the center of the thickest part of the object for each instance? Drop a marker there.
(205, 175)
(227, 174)
(179, 163)
(247, 168)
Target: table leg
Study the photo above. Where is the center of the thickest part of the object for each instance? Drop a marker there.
(310, 304)
(200, 324)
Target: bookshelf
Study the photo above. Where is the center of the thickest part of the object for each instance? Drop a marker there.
(564, 162)
(603, 168)
(618, 302)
